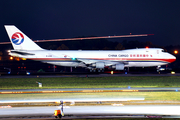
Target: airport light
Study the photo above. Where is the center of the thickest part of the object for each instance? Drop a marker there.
(172, 72)
(11, 58)
(17, 58)
(28, 73)
(175, 52)
(23, 58)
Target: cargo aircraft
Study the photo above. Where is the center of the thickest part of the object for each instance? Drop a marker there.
(94, 60)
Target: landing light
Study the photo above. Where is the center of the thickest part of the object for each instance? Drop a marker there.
(147, 47)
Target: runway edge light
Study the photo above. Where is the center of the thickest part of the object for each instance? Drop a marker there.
(172, 72)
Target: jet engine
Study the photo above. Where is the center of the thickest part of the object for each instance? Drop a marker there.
(99, 65)
(118, 66)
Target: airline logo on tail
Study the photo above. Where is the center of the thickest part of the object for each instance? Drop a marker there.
(17, 38)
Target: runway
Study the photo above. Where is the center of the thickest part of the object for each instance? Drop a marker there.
(165, 111)
(103, 111)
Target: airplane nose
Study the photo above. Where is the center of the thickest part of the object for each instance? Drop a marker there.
(172, 58)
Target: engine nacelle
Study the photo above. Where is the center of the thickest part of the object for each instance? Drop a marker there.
(119, 66)
(99, 65)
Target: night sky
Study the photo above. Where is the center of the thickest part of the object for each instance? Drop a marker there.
(53, 19)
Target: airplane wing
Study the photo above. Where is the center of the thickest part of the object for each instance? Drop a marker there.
(100, 64)
(108, 62)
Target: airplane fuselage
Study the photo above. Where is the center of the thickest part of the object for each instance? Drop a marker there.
(130, 58)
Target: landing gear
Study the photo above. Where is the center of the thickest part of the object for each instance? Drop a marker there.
(100, 70)
(92, 70)
(158, 69)
(96, 70)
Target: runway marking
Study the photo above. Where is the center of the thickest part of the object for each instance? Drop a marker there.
(130, 90)
(6, 106)
(115, 104)
(84, 91)
(79, 91)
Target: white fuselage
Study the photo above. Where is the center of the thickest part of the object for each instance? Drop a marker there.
(74, 58)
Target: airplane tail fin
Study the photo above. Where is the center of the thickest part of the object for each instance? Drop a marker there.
(19, 40)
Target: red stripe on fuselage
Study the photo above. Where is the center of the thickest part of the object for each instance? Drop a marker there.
(135, 59)
(110, 59)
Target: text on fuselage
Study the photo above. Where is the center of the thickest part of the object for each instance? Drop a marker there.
(131, 55)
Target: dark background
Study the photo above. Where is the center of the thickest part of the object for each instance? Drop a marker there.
(51, 19)
(55, 19)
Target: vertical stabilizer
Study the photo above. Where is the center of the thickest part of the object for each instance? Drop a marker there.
(19, 40)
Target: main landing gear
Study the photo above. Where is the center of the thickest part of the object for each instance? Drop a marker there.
(96, 70)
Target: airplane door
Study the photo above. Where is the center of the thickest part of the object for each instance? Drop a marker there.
(157, 53)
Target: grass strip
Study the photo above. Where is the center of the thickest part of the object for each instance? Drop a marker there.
(91, 82)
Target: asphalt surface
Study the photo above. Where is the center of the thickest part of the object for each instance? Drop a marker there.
(153, 110)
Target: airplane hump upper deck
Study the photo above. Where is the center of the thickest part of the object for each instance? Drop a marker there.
(19, 40)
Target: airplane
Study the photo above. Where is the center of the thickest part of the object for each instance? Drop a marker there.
(94, 60)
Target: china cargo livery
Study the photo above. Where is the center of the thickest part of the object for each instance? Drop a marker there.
(24, 47)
